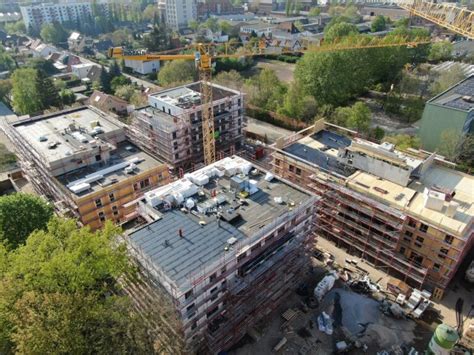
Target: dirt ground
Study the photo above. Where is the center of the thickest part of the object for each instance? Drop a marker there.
(284, 71)
(388, 123)
(357, 319)
(263, 128)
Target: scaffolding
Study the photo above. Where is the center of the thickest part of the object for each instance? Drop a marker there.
(178, 140)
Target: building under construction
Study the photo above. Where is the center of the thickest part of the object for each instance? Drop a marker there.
(410, 214)
(81, 160)
(171, 126)
(225, 244)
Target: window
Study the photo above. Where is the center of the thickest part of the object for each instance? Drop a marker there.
(412, 223)
(277, 162)
(174, 135)
(212, 311)
(112, 197)
(98, 157)
(223, 269)
(423, 228)
(188, 294)
(255, 247)
(102, 216)
(98, 202)
(409, 234)
(144, 183)
(436, 267)
(402, 250)
(213, 277)
(291, 168)
(418, 259)
(448, 239)
(443, 252)
(194, 325)
(190, 307)
(214, 289)
(298, 171)
(419, 241)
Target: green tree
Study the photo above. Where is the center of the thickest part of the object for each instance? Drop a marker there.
(48, 92)
(212, 24)
(339, 31)
(314, 11)
(404, 141)
(447, 78)
(298, 106)
(359, 118)
(67, 97)
(466, 151)
(114, 69)
(378, 24)
(15, 27)
(352, 13)
(150, 12)
(194, 25)
(265, 90)
(6, 60)
(225, 27)
(53, 33)
(176, 71)
(20, 215)
(231, 79)
(125, 92)
(449, 144)
(5, 88)
(440, 51)
(159, 39)
(105, 81)
(119, 81)
(42, 64)
(26, 98)
(299, 25)
(58, 294)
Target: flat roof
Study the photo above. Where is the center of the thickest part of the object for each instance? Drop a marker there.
(411, 198)
(125, 153)
(39, 132)
(164, 120)
(460, 96)
(321, 149)
(205, 243)
(187, 96)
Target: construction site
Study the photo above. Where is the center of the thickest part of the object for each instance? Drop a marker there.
(409, 214)
(171, 126)
(227, 244)
(81, 160)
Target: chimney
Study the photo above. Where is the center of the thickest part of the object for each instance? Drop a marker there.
(180, 232)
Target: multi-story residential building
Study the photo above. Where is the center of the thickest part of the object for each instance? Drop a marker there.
(35, 15)
(225, 245)
(409, 214)
(81, 160)
(171, 127)
(178, 13)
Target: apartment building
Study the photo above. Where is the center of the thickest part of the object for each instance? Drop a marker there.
(81, 160)
(171, 126)
(35, 15)
(409, 214)
(225, 245)
(178, 13)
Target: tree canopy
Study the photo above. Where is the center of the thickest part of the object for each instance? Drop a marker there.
(175, 72)
(340, 30)
(26, 98)
(53, 33)
(265, 90)
(378, 24)
(6, 60)
(20, 215)
(440, 51)
(57, 294)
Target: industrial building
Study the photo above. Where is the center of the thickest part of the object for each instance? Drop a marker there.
(171, 126)
(81, 160)
(409, 214)
(450, 111)
(224, 245)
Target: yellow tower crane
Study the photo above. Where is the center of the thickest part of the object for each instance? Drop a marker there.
(205, 53)
(457, 19)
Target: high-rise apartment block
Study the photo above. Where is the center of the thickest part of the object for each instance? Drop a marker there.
(178, 13)
(35, 15)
